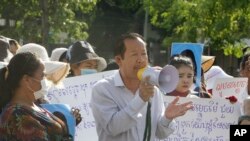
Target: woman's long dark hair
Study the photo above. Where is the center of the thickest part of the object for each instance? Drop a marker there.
(21, 64)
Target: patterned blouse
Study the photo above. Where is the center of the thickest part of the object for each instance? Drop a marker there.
(22, 123)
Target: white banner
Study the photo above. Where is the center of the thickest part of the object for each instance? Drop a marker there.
(210, 119)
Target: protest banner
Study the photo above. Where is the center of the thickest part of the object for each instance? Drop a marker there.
(224, 87)
(209, 120)
(76, 92)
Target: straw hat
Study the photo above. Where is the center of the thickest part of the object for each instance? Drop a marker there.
(54, 70)
(82, 51)
(207, 62)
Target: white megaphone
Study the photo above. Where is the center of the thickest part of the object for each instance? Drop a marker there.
(165, 79)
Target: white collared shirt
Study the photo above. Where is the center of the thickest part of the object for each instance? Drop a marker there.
(120, 115)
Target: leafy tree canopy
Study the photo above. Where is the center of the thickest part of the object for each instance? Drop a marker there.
(221, 25)
(61, 16)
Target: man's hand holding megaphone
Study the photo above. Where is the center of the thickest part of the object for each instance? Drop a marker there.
(146, 89)
(166, 79)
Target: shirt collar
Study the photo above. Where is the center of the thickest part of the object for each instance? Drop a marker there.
(118, 79)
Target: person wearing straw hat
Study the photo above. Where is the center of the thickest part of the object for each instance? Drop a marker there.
(55, 71)
(83, 59)
(206, 63)
(20, 118)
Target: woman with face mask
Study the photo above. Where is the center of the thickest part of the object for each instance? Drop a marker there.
(22, 82)
(83, 60)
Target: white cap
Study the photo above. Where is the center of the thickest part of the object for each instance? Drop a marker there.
(57, 53)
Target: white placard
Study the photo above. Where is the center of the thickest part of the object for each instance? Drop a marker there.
(209, 120)
(76, 92)
(224, 87)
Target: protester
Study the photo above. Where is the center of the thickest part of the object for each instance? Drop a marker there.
(59, 54)
(55, 71)
(245, 70)
(13, 45)
(122, 104)
(206, 63)
(185, 67)
(244, 120)
(21, 119)
(83, 59)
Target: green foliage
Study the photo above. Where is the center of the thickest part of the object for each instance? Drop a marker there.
(64, 16)
(221, 24)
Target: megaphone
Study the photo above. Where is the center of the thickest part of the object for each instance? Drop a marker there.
(165, 79)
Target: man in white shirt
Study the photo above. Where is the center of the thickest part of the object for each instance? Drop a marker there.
(127, 109)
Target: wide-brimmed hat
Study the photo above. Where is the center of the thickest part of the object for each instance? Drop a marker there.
(82, 51)
(54, 70)
(212, 74)
(207, 62)
(57, 53)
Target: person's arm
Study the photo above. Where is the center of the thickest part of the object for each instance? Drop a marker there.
(165, 126)
(108, 113)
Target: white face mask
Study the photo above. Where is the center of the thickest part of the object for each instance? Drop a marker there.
(88, 71)
(43, 91)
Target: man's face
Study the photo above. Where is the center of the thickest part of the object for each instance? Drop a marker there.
(135, 58)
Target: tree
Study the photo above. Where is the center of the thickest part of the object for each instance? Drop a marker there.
(41, 21)
(221, 25)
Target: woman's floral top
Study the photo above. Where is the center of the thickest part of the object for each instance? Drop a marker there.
(22, 123)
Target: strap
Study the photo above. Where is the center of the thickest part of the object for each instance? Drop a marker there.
(147, 131)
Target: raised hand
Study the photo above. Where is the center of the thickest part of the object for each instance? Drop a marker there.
(175, 110)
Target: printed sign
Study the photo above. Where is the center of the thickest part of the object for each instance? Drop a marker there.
(224, 87)
(76, 92)
(209, 120)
